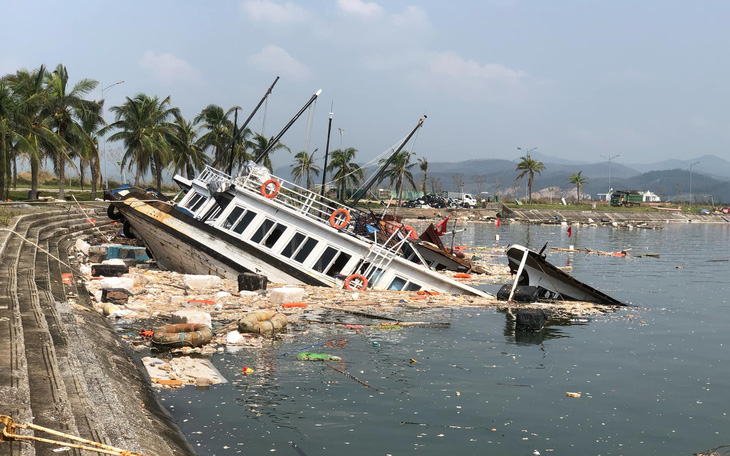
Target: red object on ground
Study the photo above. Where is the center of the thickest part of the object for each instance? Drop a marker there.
(289, 305)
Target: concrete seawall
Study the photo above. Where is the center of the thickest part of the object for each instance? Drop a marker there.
(62, 366)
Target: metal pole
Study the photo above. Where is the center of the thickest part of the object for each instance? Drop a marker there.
(103, 112)
(609, 158)
(690, 183)
(326, 153)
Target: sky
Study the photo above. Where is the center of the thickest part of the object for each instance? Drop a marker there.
(577, 79)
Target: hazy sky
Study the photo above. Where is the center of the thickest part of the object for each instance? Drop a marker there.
(646, 79)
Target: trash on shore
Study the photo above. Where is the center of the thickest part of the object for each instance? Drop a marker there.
(181, 371)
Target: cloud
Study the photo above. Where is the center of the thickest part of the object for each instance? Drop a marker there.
(360, 8)
(270, 12)
(410, 17)
(277, 60)
(451, 64)
(170, 69)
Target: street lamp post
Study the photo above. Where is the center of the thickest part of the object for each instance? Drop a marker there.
(609, 158)
(103, 111)
(342, 130)
(690, 183)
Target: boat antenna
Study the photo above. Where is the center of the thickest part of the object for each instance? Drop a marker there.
(327, 151)
(276, 139)
(360, 193)
(238, 131)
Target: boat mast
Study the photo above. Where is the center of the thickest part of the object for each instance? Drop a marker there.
(276, 139)
(366, 186)
(238, 131)
(326, 153)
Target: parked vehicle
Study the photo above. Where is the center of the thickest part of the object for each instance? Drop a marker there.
(626, 198)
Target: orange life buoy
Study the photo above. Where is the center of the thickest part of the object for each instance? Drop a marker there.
(338, 213)
(264, 188)
(461, 275)
(359, 277)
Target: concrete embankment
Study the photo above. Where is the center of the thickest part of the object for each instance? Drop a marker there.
(62, 366)
(541, 216)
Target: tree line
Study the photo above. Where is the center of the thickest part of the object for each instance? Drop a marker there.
(43, 117)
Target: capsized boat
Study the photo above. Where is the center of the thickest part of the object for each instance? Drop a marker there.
(257, 222)
(534, 270)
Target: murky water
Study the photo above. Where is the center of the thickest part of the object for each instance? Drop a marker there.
(654, 379)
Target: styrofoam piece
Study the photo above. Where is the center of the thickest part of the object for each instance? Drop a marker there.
(198, 282)
(191, 316)
(118, 261)
(234, 337)
(82, 246)
(247, 294)
(117, 282)
(286, 295)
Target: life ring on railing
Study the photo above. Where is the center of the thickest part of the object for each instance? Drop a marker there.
(265, 185)
(354, 277)
(182, 335)
(412, 234)
(338, 213)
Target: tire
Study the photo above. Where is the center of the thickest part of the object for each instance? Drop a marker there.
(523, 293)
(113, 213)
(127, 231)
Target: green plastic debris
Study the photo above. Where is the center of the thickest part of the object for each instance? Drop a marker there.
(317, 357)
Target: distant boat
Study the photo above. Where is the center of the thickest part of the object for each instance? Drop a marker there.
(551, 282)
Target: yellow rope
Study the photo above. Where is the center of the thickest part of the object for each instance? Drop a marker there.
(9, 434)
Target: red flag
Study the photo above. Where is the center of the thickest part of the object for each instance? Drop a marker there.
(498, 222)
(570, 231)
(441, 227)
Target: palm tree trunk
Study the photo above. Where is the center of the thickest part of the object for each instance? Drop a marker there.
(61, 178)
(82, 165)
(15, 172)
(34, 165)
(158, 173)
(94, 177)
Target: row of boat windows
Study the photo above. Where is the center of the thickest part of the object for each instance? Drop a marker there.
(300, 246)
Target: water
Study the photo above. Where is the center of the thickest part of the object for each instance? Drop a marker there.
(653, 378)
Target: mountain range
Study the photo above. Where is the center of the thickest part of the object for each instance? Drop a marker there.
(670, 179)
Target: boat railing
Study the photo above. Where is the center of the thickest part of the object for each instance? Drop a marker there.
(304, 201)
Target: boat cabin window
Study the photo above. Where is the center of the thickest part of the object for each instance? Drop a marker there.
(232, 217)
(325, 259)
(373, 274)
(336, 267)
(244, 222)
(268, 233)
(400, 283)
(213, 213)
(306, 249)
(397, 284)
(195, 202)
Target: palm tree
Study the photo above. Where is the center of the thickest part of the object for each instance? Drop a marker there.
(92, 123)
(7, 109)
(64, 109)
(398, 170)
(423, 164)
(188, 154)
(218, 135)
(304, 166)
(344, 171)
(529, 167)
(579, 181)
(241, 149)
(143, 127)
(32, 127)
(260, 143)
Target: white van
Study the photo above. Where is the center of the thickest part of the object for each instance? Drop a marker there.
(470, 200)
